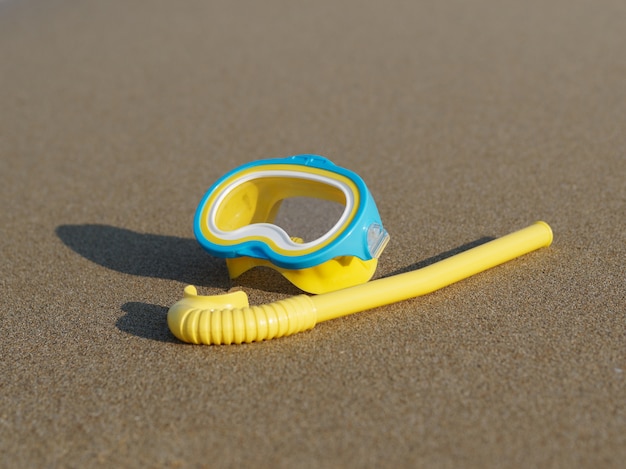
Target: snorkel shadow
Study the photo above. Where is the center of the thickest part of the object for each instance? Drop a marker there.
(442, 256)
(145, 320)
(145, 255)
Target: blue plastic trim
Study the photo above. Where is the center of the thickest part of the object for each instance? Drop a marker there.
(351, 242)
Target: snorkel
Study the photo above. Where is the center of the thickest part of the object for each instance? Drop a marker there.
(228, 319)
(235, 221)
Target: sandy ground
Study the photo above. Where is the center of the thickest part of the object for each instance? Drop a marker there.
(467, 120)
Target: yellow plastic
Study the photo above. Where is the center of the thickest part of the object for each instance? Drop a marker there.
(227, 319)
(340, 272)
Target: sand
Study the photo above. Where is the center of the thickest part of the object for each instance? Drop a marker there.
(467, 120)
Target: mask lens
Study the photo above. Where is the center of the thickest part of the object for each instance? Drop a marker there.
(290, 203)
(308, 219)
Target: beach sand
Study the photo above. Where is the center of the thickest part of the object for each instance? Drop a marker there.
(467, 120)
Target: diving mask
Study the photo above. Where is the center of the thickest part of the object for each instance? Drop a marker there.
(235, 220)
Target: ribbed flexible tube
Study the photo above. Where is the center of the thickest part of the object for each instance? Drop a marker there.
(238, 325)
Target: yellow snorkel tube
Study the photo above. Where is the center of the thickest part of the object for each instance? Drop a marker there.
(228, 319)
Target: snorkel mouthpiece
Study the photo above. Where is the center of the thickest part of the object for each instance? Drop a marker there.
(236, 221)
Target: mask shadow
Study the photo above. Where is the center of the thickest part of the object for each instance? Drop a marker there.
(145, 255)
